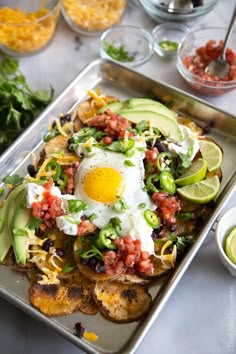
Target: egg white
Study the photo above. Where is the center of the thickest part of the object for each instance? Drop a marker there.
(134, 195)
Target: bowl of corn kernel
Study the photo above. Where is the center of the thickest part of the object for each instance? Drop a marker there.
(27, 26)
(92, 17)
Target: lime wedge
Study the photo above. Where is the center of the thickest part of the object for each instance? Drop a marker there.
(195, 173)
(212, 153)
(230, 245)
(201, 192)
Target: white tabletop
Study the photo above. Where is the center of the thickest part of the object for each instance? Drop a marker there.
(200, 316)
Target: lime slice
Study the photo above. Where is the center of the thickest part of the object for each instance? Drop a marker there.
(230, 245)
(195, 173)
(201, 192)
(212, 153)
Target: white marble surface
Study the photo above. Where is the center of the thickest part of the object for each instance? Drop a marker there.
(200, 316)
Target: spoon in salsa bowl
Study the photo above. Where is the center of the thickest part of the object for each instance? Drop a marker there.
(220, 67)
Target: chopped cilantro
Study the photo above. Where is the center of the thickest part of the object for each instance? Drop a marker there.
(13, 179)
(34, 223)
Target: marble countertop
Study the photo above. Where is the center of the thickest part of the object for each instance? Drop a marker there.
(200, 316)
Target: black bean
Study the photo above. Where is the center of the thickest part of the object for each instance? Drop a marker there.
(79, 328)
(48, 244)
(60, 252)
(160, 147)
(100, 268)
(31, 170)
(208, 127)
(92, 262)
(173, 228)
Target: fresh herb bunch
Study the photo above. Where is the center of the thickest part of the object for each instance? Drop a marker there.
(19, 104)
(118, 53)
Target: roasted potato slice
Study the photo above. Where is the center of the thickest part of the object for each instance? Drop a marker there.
(88, 304)
(59, 142)
(89, 307)
(131, 279)
(85, 267)
(122, 303)
(89, 108)
(55, 299)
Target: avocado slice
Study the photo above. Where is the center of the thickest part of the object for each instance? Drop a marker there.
(151, 105)
(114, 107)
(18, 219)
(5, 232)
(166, 125)
(153, 108)
(139, 104)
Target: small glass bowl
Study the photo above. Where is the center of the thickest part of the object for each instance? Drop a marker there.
(226, 223)
(158, 10)
(187, 50)
(167, 37)
(33, 29)
(128, 45)
(92, 17)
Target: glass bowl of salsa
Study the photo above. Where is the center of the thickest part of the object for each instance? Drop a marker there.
(200, 47)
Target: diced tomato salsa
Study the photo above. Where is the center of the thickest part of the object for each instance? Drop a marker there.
(204, 55)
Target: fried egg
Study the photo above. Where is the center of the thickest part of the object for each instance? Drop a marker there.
(105, 177)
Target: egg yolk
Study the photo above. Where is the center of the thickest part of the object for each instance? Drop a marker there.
(104, 184)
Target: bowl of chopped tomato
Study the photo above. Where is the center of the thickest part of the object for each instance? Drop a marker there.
(197, 50)
(27, 27)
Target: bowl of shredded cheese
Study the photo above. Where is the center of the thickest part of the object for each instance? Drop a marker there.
(27, 26)
(92, 17)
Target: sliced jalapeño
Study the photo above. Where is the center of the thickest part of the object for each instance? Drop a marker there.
(167, 182)
(107, 237)
(151, 218)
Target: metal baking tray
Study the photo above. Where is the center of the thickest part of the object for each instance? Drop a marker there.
(117, 80)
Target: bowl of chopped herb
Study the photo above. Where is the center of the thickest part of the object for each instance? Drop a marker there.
(128, 45)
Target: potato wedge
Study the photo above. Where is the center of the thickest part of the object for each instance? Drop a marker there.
(122, 303)
(56, 300)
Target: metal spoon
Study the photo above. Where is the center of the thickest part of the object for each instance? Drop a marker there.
(180, 6)
(220, 66)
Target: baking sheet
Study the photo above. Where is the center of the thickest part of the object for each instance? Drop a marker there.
(116, 80)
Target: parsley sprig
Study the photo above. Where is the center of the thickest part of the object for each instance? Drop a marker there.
(19, 104)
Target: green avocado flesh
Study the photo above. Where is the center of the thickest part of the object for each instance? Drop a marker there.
(19, 222)
(5, 230)
(136, 104)
(167, 126)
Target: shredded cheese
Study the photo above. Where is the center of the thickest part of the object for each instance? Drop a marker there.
(24, 32)
(167, 260)
(94, 15)
(60, 128)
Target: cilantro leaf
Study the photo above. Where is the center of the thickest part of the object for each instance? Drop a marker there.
(34, 223)
(13, 179)
(19, 104)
